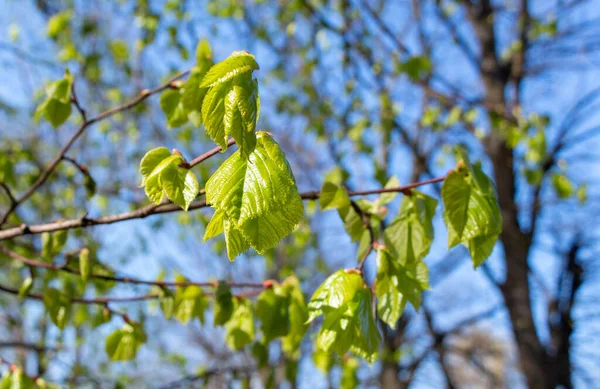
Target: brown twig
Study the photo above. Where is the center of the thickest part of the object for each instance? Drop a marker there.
(207, 155)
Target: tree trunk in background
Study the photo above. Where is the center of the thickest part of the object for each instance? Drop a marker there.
(516, 243)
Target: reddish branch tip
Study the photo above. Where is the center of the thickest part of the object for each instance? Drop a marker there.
(353, 271)
(378, 246)
(269, 283)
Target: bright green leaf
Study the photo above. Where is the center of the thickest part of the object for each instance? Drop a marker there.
(123, 344)
(471, 213)
(396, 284)
(239, 329)
(337, 289)
(273, 313)
(58, 306)
(410, 234)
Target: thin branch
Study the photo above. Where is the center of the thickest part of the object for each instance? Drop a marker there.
(125, 280)
(110, 299)
(207, 155)
(8, 192)
(27, 346)
(166, 207)
(86, 123)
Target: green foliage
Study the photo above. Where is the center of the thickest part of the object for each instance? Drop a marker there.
(25, 287)
(398, 282)
(85, 263)
(53, 243)
(415, 67)
(345, 301)
(56, 108)
(223, 308)
(58, 305)
(189, 303)
(163, 177)
(231, 105)
(323, 360)
(185, 101)
(349, 373)
(257, 196)
(239, 329)
(15, 378)
(388, 197)
(58, 23)
(410, 234)
(298, 314)
(123, 343)
(562, 185)
(333, 197)
(471, 213)
(272, 311)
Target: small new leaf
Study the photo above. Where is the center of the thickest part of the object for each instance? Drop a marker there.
(471, 213)
(58, 306)
(163, 177)
(85, 264)
(239, 329)
(410, 234)
(272, 310)
(396, 284)
(123, 344)
(351, 327)
(337, 289)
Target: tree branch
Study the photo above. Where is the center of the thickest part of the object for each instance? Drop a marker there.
(166, 207)
(125, 280)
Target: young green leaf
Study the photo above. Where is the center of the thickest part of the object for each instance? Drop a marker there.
(84, 263)
(246, 189)
(239, 329)
(56, 108)
(162, 176)
(215, 226)
(396, 284)
(25, 287)
(562, 185)
(123, 344)
(231, 104)
(410, 234)
(471, 213)
(53, 244)
(238, 63)
(298, 314)
(337, 289)
(172, 105)
(333, 197)
(387, 198)
(351, 327)
(235, 241)
(272, 310)
(258, 197)
(189, 303)
(58, 306)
